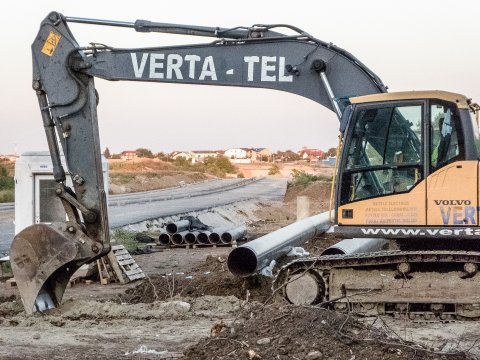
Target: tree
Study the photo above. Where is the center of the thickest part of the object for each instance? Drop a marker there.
(162, 156)
(144, 153)
(332, 151)
(106, 153)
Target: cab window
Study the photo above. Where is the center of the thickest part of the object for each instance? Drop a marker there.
(384, 155)
(444, 135)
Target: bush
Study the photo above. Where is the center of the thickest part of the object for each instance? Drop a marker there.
(219, 166)
(300, 177)
(126, 238)
(240, 175)
(6, 181)
(7, 196)
(274, 169)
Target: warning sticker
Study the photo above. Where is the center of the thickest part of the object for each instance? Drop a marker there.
(51, 43)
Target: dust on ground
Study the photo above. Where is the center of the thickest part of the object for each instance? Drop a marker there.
(191, 307)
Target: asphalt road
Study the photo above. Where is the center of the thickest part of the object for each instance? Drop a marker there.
(132, 208)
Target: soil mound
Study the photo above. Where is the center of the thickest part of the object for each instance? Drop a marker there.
(290, 332)
(210, 278)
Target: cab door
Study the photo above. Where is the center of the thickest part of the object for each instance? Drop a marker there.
(452, 190)
(382, 172)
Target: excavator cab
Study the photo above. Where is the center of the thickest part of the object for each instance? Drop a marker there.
(410, 162)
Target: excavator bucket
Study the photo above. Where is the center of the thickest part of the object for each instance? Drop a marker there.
(43, 259)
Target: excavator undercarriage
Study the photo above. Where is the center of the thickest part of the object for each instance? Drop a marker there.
(420, 285)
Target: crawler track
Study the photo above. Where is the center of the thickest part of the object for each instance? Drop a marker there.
(420, 285)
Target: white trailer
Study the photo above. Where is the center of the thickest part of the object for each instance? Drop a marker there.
(35, 199)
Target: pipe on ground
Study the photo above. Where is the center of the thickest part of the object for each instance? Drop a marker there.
(202, 237)
(214, 237)
(164, 239)
(179, 238)
(178, 226)
(356, 246)
(233, 234)
(191, 237)
(253, 256)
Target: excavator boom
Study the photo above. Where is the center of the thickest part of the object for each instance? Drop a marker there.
(45, 255)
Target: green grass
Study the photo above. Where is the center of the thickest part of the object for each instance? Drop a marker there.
(126, 238)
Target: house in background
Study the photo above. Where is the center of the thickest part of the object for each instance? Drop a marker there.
(128, 155)
(238, 155)
(311, 154)
(259, 154)
(200, 155)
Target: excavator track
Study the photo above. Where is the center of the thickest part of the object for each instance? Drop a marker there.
(419, 285)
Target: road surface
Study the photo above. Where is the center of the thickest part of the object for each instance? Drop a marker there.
(131, 208)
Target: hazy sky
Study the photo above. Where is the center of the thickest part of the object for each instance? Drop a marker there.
(410, 45)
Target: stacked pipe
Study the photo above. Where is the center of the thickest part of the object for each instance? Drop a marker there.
(180, 233)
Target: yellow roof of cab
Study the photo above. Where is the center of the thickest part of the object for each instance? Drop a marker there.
(461, 100)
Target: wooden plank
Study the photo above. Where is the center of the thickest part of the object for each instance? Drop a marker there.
(116, 267)
(126, 262)
(121, 252)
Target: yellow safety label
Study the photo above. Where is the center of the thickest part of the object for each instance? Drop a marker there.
(51, 43)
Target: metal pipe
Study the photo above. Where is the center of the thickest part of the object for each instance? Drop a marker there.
(202, 237)
(179, 238)
(356, 246)
(164, 239)
(191, 237)
(178, 226)
(233, 234)
(249, 258)
(214, 237)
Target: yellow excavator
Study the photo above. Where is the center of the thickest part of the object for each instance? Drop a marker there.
(408, 169)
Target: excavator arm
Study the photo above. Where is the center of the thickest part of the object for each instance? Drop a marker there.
(44, 256)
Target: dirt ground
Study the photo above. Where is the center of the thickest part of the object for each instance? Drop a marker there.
(191, 307)
(259, 169)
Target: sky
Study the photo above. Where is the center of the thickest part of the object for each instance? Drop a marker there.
(410, 45)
